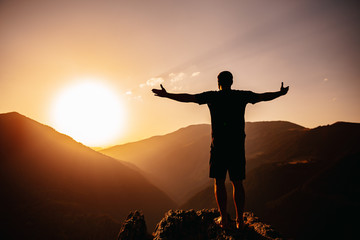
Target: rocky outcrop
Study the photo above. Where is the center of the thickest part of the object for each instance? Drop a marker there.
(195, 225)
(134, 228)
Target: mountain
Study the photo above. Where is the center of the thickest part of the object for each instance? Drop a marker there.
(178, 162)
(308, 186)
(53, 187)
(302, 181)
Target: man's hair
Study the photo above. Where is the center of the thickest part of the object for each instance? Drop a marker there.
(225, 79)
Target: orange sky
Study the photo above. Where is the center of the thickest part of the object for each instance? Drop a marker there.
(313, 46)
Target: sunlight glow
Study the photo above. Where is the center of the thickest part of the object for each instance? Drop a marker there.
(90, 112)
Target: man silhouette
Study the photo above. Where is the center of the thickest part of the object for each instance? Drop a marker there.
(227, 152)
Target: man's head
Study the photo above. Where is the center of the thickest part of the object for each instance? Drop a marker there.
(225, 80)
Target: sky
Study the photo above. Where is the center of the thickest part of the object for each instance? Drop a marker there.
(133, 46)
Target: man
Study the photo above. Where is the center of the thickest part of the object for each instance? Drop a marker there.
(227, 154)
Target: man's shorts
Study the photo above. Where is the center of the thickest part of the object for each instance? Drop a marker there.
(228, 157)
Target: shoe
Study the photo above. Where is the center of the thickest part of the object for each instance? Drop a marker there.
(223, 224)
(240, 225)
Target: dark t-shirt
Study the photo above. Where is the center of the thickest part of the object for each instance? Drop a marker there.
(227, 109)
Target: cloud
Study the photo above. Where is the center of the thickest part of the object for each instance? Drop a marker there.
(138, 98)
(152, 82)
(128, 92)
(194, 74)
(175, 77)
(176, 80)
(325, 79)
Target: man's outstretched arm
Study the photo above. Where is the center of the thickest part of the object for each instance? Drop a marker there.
(181, 97)
(268, 96)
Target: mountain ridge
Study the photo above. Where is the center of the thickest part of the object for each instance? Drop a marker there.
(47, 177)
(285, 162)
(311, 181)
(156, 154)
(302, 181)
(159, 156)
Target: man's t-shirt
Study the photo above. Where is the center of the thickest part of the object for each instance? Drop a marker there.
(227, 109)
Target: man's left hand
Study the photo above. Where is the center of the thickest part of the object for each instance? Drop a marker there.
(160, 92)
(284, 90)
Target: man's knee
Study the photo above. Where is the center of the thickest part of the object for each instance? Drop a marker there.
(237, 183)
(219, 182)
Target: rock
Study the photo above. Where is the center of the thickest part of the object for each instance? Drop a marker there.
(134, 228)
(190, 225)
(195, 225)
(257, 228)
(182, 224)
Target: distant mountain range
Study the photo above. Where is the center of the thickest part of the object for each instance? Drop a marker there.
(302, 181)
(53, 187)
(178, 162)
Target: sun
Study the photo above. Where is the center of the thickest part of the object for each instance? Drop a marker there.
(90, 112)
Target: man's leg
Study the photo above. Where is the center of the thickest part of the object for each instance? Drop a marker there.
(221, 199)
(239, 202)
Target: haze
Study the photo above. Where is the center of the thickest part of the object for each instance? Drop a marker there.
(312, 46)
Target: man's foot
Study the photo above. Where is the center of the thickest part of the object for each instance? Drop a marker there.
(240, 225)
(222, 222)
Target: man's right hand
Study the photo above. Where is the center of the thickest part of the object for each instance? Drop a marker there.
(160, 92)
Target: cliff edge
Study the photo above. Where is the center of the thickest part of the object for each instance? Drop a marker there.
(195, 225)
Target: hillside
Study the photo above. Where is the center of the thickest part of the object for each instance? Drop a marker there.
(290, 172)
(167, 158)
(311, 190)
(178, 162)
(55, 188)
